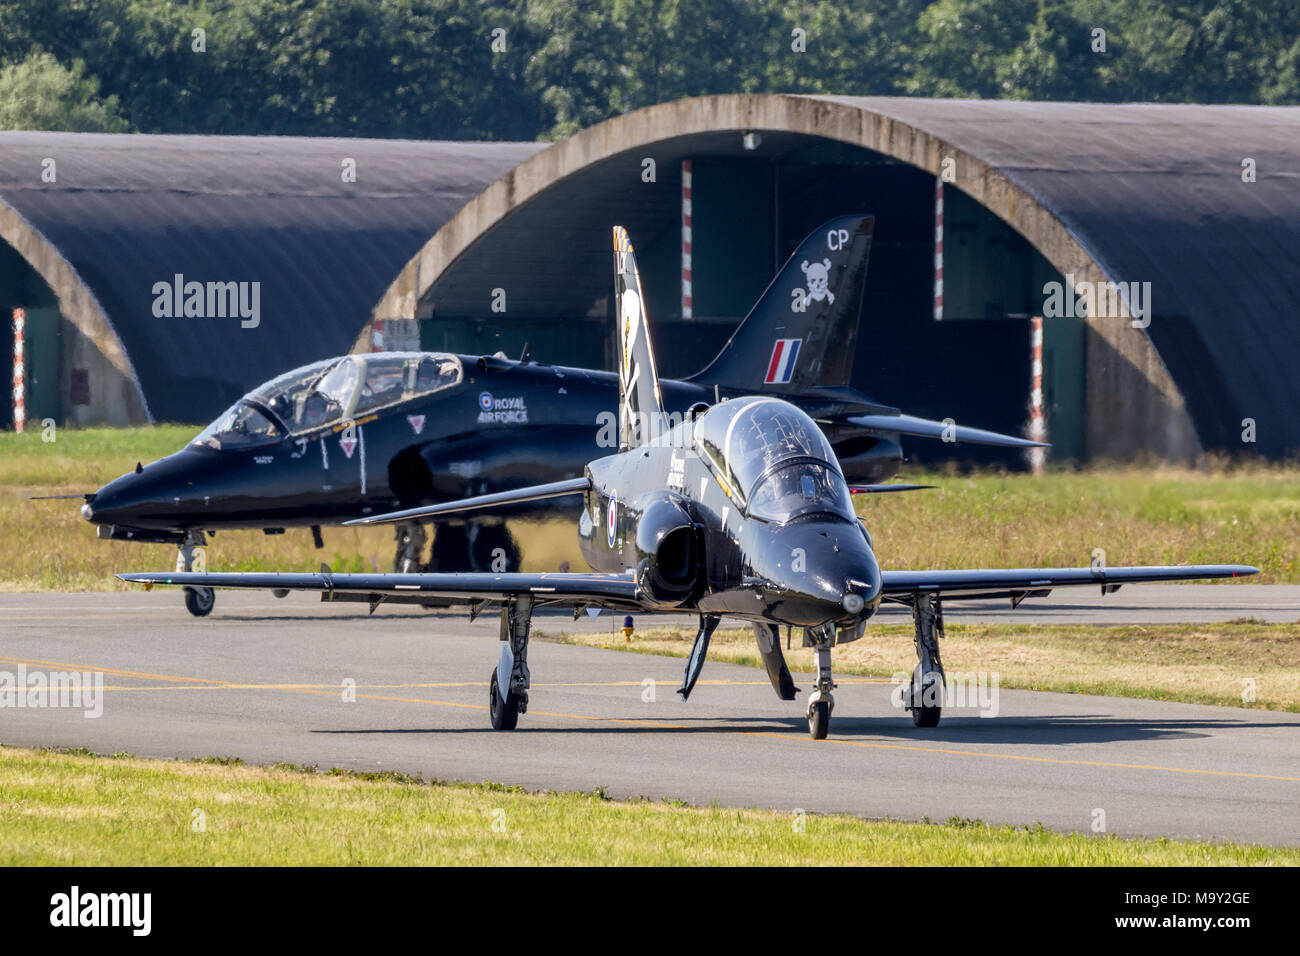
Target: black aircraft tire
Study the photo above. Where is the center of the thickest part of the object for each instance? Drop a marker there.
(199, 601)
(819, 720)
(926, 716)
(504, 711)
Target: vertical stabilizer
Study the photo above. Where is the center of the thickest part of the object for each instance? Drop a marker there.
(802, 333)
(640, 402)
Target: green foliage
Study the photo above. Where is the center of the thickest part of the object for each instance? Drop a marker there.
(40, 93)
(429, 69)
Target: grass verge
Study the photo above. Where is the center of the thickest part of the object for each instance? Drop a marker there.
(1195, 663)
(60, 808)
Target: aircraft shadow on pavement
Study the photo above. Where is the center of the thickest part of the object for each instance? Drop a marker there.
(316, 618)
(1043, 730)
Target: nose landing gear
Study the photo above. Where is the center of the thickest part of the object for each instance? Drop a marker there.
(199, 601)
(820, 701)
(192, 556)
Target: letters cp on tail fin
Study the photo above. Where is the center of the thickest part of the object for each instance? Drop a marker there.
(641, 413)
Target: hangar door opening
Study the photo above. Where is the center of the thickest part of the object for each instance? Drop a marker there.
(22, 288)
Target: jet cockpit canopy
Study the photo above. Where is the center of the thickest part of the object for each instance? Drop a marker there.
(321, 394)
(772, 459)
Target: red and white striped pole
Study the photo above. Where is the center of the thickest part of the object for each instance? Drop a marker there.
(938, 248)
(20, 371)
(1037, 423)
(687, 310)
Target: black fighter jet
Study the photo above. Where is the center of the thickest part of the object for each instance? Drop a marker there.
(741, 509)
(369, 433)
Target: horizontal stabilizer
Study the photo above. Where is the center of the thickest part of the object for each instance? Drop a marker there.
(556, 489)
(883, 489)
(947, 431)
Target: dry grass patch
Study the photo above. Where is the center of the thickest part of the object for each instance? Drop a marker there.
(1195, 663)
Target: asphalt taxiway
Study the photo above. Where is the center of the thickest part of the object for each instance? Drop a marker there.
(406, 689)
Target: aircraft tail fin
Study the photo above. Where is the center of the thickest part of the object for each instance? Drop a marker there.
(640, 401)
(802, 332)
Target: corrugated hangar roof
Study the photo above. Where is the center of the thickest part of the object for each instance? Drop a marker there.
(128, 211)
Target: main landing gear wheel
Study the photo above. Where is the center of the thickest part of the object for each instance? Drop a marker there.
(926, 693)
(819, 720)
(923, 716)
(516, 623)
(504, 710)
(199, 601)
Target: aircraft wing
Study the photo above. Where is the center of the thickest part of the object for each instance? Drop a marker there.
(556, 489)
(583, 590)
(1018, 583)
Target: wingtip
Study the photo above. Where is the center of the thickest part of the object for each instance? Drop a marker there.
(145, 581)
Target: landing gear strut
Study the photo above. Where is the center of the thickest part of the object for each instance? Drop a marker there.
(410, 546)
(924, 697)
(508, 692)
(192, 556)
(820, 702)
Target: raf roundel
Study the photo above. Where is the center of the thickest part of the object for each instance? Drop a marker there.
(485, 401)
(611, 519)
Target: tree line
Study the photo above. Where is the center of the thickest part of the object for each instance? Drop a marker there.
(530, 69)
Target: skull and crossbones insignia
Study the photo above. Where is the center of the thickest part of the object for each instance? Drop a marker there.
(817, 274)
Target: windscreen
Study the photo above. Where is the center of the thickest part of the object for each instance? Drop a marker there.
(285, 396)
(744, 439)
(798, 488)
(241, 426)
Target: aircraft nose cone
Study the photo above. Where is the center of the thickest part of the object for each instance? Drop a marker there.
(107, 505)
(863, 593)
(839, 579)
(144, 496)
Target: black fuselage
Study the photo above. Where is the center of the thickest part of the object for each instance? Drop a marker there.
(504, 425)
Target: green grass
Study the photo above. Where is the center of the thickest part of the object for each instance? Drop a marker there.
(82, 459)
(1193, 663)
(1137, 515)
(74, 809)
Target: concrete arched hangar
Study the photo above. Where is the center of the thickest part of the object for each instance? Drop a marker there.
(1152, 204)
